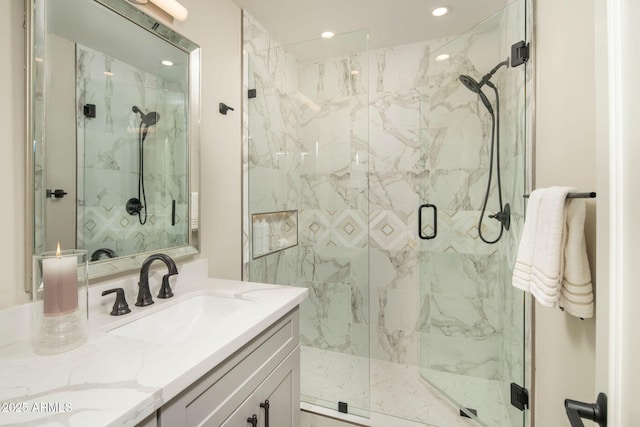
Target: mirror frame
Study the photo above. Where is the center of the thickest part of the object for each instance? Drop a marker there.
(127, 263)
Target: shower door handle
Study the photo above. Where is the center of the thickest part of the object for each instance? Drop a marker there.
(435, 222)
(58, 194)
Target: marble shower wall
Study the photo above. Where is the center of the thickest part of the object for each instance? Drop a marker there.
(108, 157)
(334, 244)
(307, 150)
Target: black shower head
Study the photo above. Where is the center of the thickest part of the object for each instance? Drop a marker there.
(470, 83)
(476, 87)
(149, 119)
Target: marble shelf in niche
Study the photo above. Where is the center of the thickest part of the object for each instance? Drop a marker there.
(272, 232)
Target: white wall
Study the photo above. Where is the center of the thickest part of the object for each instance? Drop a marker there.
(216, 26)
(61, 149)
(12, 218)
(565, 155)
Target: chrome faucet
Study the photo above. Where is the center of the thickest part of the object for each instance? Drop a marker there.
(144, 293)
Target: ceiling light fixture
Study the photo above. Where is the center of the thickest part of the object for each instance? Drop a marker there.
(108, 73)
(440, 11)
(166, 63)
(355, 72)
(327, 35)
(172, 7)
(442, 57)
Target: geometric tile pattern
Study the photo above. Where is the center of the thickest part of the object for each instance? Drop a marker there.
(394, 230)
(333, 228)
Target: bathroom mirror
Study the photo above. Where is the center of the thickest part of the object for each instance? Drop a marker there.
(112, 123)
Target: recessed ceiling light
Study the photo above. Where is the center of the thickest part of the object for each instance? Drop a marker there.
(355, 72)
(327, 35)
(442, 57)
(166, 62)
(440, 11)
(108, 73)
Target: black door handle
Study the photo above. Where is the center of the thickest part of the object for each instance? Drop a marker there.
(253, 420)
(435, 222)
(58, 194)
(265, 406)
(589, 411)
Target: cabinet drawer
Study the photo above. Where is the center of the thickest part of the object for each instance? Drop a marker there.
(281, 390)
(215, 396)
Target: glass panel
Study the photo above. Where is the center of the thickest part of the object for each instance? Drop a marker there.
(472, 341)
(128, 155)
(307, 152)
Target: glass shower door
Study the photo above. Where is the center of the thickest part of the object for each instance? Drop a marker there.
(307, 161)
(114, 156)
(472, 344)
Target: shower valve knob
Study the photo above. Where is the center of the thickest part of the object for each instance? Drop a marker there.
(504, 216)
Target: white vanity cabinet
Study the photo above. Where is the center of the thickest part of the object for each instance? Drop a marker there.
(267, 368)
(273, 399)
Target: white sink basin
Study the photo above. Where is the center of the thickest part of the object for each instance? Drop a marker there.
(184, 320)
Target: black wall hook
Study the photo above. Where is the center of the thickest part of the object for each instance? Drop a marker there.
(223, 108)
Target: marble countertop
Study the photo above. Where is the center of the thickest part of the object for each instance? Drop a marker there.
(116, 380)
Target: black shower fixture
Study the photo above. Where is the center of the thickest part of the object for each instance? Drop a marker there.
(475, 87)
(148, 119)
(135, 205)
(504, 214)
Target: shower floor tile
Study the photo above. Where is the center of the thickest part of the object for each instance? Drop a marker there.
(390, 390)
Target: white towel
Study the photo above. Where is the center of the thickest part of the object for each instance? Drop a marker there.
(577, 292)
(540, 262)
(195, 211)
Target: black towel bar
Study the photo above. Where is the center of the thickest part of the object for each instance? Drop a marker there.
(591, 195)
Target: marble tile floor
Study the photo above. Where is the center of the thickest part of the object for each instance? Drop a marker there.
(396, 394)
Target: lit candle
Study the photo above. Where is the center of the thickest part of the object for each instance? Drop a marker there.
(60, 281)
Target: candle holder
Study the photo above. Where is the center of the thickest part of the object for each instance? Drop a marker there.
(60, 297)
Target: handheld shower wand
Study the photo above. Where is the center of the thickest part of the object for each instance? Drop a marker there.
(149, 119)
(135, 205)
(504, 214)
(476, 87)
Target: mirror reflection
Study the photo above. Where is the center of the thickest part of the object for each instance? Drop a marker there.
(111, 131)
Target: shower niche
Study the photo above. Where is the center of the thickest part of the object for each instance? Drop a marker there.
(273, 232)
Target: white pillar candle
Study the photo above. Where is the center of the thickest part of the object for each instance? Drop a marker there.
(60, 282)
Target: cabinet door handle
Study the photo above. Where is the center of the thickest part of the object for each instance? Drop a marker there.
(435, 222)
(253, 420)
(265, 406)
